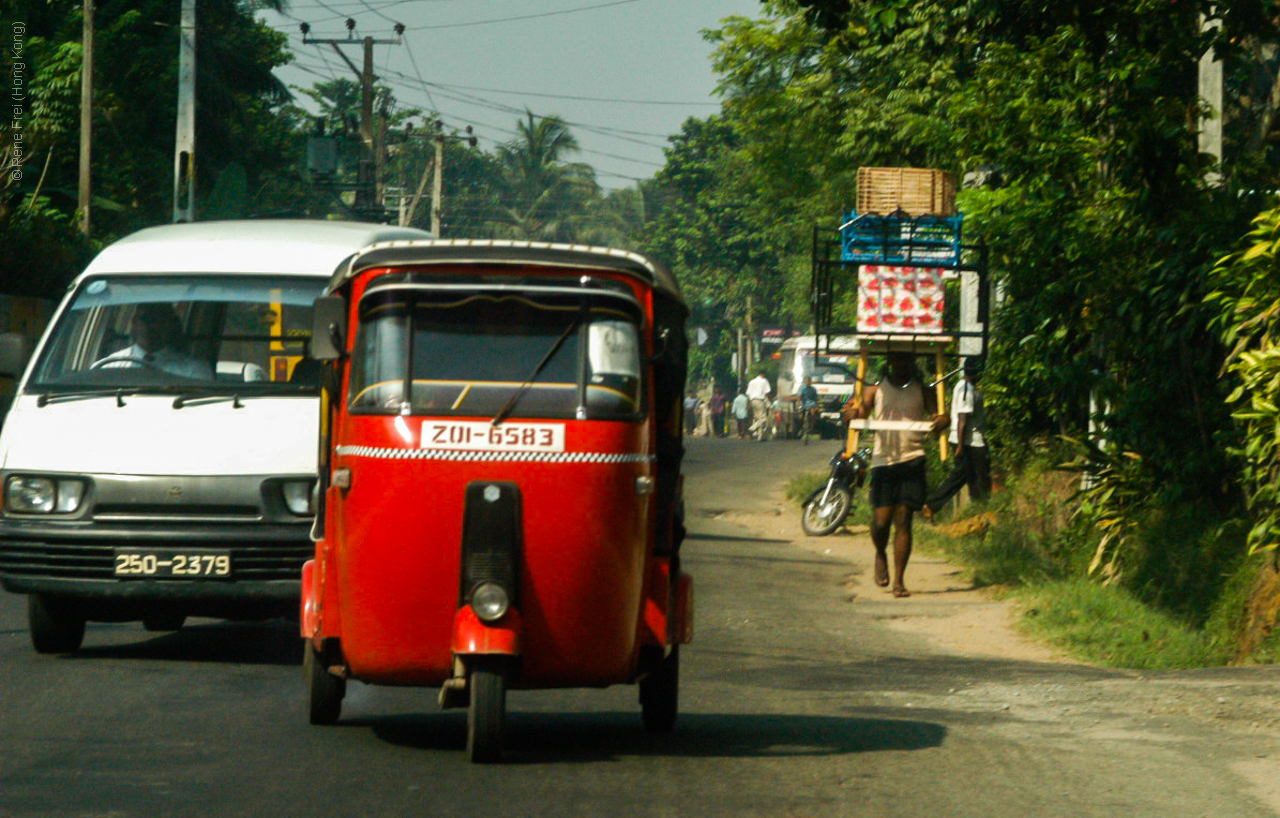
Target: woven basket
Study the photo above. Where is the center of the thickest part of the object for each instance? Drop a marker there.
(915, 191)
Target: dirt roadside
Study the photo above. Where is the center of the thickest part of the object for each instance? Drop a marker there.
(1227, 719)
(945, 609)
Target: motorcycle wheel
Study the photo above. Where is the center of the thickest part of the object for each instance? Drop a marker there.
(820, 519)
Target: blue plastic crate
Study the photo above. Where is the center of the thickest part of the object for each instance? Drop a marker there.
(932, 241)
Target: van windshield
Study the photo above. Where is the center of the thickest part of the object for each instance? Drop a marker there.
(471, 355)
(172, 332)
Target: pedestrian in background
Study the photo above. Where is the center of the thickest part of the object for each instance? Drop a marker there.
(717, 403)
(691, 412)
(741, 411)
(758, 393)
(972, 464)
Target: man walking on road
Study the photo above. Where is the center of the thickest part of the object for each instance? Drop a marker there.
(758, 393)
(972, 465)
(897, 463)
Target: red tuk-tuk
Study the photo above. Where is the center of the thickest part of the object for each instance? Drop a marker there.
(499, 478)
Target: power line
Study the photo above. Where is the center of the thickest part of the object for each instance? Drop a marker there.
(406, 82)
(528, 16)
(417, 71)
(338, 15)
(574, 97)
(471, 99)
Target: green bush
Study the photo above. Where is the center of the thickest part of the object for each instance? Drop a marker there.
(801, 486)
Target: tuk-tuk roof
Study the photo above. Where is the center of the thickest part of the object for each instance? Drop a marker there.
(501, 251)
(277, 246)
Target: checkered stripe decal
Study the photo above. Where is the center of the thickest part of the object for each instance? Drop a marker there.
(492, 457)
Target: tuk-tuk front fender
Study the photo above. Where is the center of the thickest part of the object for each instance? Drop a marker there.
(471, 635)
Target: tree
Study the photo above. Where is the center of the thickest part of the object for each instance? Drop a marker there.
(712, 227)
(543, 196)
(239, 104)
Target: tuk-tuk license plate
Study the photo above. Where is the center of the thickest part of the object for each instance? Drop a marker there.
(471, 435)
(153, 563)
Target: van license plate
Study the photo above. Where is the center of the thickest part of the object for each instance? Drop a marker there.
(170, 563)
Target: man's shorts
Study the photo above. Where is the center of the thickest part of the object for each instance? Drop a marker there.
(902, 484)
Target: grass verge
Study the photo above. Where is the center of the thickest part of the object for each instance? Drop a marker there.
(1107, 625)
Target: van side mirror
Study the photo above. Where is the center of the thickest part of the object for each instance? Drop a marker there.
(15, 350)
(328, 327)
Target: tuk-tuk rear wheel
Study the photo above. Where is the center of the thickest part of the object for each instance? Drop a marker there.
(487, 713)
(660, 694)
(325, 691)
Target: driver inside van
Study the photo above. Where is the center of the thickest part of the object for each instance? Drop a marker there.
(157, 344)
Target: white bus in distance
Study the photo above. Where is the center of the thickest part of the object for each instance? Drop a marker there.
(831, 361)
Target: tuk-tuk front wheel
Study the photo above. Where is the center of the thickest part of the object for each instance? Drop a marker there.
(487, 713)
(660, 694)
(325, 690)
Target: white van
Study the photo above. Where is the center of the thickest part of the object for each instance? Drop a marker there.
(831, 361)
(159, 457)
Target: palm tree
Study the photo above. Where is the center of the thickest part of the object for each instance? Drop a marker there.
(543, 195)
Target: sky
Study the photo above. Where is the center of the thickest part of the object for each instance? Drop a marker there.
(624, 73)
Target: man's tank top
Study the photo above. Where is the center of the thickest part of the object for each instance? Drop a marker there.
(898, 403)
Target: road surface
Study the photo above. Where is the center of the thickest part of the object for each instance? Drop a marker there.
(806, 692)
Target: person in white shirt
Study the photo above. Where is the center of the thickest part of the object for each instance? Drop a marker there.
(157, 334)
(758, 393)
(968, 433)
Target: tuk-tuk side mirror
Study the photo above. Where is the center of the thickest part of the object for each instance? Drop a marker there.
(15, 350)
(328, 327)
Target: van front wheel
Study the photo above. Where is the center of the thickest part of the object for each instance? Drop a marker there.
(55, 626)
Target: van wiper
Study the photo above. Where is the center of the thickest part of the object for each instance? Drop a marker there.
(237, 394)
(546, 359)
(47, 398)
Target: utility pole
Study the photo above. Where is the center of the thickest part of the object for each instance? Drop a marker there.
(380, 154)
(367, 198)
(184, 151)
(434, 170)
(437, 187)
(86, 117)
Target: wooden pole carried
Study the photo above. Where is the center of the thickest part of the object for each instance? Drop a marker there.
(938, 364)
(851, 442)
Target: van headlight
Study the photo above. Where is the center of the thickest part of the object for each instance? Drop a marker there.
(297, 496)
(25, 494)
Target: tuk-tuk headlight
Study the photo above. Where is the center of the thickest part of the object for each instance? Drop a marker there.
(26, 494)
(297, 496)
(490, 601)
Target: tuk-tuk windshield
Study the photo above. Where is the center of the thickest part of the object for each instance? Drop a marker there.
(472, 354)
(188, 332)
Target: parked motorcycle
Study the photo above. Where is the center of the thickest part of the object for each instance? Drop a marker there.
(826, 509)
